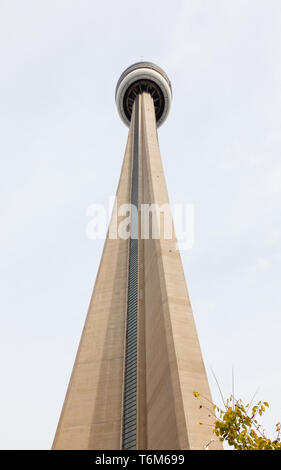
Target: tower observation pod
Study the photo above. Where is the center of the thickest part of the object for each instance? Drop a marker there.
(143, 77)
(139, 359)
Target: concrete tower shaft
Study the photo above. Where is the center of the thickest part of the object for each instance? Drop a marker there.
(139, 359)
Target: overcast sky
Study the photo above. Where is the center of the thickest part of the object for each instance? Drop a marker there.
(61, 149)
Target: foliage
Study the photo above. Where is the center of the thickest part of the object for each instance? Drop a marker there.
(239, 427)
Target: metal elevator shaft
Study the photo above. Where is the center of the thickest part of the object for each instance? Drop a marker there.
(129, 437)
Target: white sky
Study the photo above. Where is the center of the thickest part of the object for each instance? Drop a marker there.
(61, 149)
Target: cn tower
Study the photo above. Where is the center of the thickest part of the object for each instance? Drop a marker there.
(139, 359)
